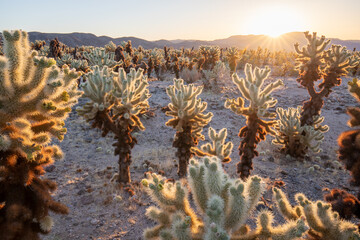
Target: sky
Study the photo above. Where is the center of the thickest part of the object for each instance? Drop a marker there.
(183, 19)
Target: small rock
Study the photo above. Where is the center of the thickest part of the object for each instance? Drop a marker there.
(271, 159)
(50, 168)
(86, 200)
(94, 221)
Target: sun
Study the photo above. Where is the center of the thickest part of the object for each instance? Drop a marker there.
(274, 21)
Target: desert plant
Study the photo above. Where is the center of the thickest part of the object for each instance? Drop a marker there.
(343, 203)
(110, 47)
(99, 57)
(37, 45)
(211, 55)
(222, 207)
(188, 119)
(233, 55)
(55, 49)
(217, 148)
(324, 223)
(260, 101)
(294, 138)
(116, 100)
(35, 99)
(190, 76)
(349, 141)
(216, 77)
(313, 64)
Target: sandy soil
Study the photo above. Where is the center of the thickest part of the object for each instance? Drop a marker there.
(100, 210)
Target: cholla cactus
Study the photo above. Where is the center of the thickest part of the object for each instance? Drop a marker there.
(110, 47)
(323, 222)
(223, 204)
(314, 63)
(260, 101)
(217, 148)
(156, 57)
(116, 100)
(349, 141)
(216, 77)
(233, 55)
(289, 133)
(211, 55)
(99, 57)
(188, 119)
(35, 99)
(79, 65)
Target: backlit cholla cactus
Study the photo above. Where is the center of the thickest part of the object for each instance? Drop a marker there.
(349, 141)
(35, 99)
(188, 119)
(211, 55)
(99, 57)
(233, 55)
(223, 206)
(324, 223)
(256, 126)
(314, 63)
(79, 65)
(116, 100)
(217, 148)
(217, 77)
(289, 133)
(110, 47)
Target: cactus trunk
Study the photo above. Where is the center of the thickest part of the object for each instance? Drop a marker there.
(26, 198)
(247, 146)
(125, 142)
(123, 148)
(183, 142)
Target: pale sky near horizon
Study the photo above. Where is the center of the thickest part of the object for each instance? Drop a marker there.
(184, 19)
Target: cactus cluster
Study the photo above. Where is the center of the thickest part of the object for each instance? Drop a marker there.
(324, 223)
(116, 100)
(256, 113)
(223, 206)
(349, 143)
(290, 133)
(99, 57)
(315, 63)
(217, 148)
(35, 99)
(188, 119)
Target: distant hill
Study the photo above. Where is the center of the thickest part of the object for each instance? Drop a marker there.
(284, 42)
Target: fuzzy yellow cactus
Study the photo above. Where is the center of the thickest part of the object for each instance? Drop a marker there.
(35, 99)
(188, 119)
(223, 206)
(217, 148)
(116, 100)
(324, 223)
(290, 133)
(251, 88)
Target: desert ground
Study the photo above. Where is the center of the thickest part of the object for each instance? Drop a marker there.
(100, 210)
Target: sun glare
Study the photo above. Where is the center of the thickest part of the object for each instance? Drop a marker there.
(274, 21)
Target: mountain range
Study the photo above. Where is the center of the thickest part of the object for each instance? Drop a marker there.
(283, 42)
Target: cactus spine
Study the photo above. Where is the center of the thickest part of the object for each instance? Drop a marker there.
(35, 99)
